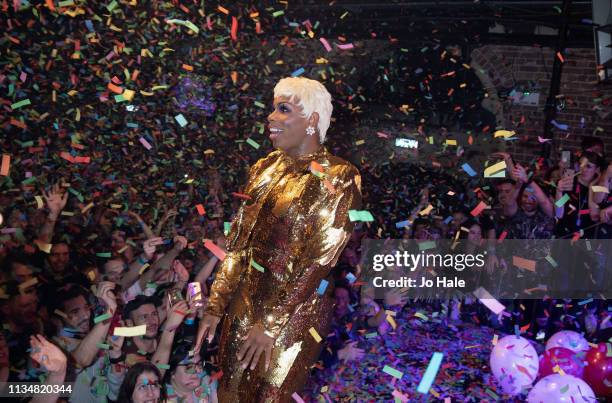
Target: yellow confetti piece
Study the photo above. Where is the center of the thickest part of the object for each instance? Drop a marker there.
(426, 210)
(322, 60)
(84, 209)
(600, 189)
(128, 94)
(495, 337)
(39, 202)
(391, 321)
(131, 331)
(359, 142)
(451, 142)
(143, 268)
(60, 313)
(495, 168)
(504, 133)
(315, 335)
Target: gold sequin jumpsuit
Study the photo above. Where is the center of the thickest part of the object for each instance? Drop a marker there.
(294, 227)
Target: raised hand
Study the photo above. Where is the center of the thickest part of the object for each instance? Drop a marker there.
(180, 270)
(55, 200)
(208, 326)
(350, 352)
(180, 242)
(176, 315)
(47, 354)
(149, 246)
(106, 294)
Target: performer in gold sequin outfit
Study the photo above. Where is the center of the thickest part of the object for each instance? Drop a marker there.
(282, 243)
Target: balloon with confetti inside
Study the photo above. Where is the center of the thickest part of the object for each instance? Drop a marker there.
(514, 364)
(559, 359)
(568, 339)
(598, 371)
(561, 388)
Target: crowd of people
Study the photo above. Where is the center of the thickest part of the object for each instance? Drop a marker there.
(73, 283)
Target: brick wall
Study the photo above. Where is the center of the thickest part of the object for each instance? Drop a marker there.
(508, 66)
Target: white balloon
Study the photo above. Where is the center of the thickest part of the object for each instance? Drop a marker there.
(514, 363)
(568, 339)
(561, 388)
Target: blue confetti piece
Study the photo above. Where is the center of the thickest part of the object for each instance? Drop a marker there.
(586, 301)
(351, 278)
(430, 373)
(298, 72)
(181, 120)
(402, 224)
(448, 219)
(560, 126)
(468, 169)
(322, 287)
(89, 26)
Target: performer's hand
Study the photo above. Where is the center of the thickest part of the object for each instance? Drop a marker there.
(208, 326)
(256, 342)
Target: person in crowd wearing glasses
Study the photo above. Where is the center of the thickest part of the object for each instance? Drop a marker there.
(142, 384)
(188, 379)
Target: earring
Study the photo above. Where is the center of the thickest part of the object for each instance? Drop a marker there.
(310, 130)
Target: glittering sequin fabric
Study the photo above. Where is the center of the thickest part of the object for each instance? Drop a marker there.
(282, 243)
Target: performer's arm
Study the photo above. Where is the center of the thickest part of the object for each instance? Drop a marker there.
(330, 235)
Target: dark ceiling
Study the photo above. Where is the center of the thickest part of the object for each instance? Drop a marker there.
(468, 21)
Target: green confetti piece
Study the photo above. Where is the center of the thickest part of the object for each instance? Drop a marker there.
(371, 335)
(162, 366)
(259, 104)
(112, 6)
(609, 350)
(253, 143)
(552, 261)
(102, 318)
(28, 181)
(257, 266)
(187, 24)
(77, 194)
(278, 13)
(564, 389)
(104, 254)
(393, 372)
(226, 227)
(360, 215)
(103, 346)
(21, 103)
(562, 200)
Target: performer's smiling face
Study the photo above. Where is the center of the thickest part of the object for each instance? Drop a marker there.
(287, 125)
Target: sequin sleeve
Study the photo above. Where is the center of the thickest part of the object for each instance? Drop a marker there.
(324, 243)
(231, 268)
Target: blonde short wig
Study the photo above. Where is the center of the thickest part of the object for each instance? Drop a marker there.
(312, 97)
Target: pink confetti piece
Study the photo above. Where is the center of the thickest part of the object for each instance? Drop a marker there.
(346, 46)
(297, 398)
(145, 143)
(325, 44)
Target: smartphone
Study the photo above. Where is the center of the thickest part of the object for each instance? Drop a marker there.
(194, 294)
(569, 173)
(174, 296)
(566, 157)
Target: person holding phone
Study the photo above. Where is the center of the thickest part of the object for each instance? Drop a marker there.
(283, 242)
